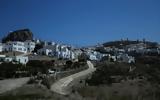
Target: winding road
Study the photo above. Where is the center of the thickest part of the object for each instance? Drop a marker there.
(63, 85)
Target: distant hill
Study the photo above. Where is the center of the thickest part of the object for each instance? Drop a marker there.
(120, 43)
(18, 35)
(123, 43)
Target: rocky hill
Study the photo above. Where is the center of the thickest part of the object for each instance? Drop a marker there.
(18, 35)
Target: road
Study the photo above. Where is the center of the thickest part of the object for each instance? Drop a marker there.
(62, 85)
(10, 84)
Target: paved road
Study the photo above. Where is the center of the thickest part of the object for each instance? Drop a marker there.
(10, 84)
(61, 86)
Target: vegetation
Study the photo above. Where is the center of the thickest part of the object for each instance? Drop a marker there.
(145, 66)
(116, 81)
(36, 66)
(83, 57)
(104, 73)
(8, 70)
(120, 44)
(33, 67)
(38, 46)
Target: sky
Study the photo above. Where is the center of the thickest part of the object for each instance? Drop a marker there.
(82, 22)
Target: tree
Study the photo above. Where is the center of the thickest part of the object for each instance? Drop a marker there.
(83, 57)
(36, 66)
(69, 63)
(38, 46)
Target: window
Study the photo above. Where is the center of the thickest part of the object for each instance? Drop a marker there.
(19, 48)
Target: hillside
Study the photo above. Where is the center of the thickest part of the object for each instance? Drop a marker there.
(122, 43)
(18, 35)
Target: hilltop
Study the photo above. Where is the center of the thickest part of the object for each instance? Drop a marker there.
(18, 35)
(122, 43)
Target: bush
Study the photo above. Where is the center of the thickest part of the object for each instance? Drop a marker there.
(46, 83)
(36, 66)
(8, 70)
(31, 81)
(83, 57)
(105, 71)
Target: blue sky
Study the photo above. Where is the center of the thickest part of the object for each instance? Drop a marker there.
(82, 22)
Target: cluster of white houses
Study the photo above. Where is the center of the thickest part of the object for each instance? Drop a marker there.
(59, 51)
(16, 46)
(67, 52)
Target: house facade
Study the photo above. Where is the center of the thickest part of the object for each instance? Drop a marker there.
(1, 47)
(15, 59)
(24, 47)
(123, 57)
(59, 51)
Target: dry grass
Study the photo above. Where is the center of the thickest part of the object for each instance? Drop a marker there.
(131, 90)
(36, 92)
(39, 57)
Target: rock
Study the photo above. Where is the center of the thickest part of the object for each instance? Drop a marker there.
(18, 35)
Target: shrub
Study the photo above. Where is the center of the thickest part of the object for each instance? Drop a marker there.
(46, 83)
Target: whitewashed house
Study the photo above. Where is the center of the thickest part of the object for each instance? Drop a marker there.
(8, 59)
(76, 53)
(94, 55)
(29, 45)
(24, 47)
(114, 58)
(37, 41)
(21, 59)
(1, 47)
(15, 59)
(47, 50)
(65, 52)
(122, 57)
(2, 57)
(15, 46)
(59, 51)
(139, 48)
(108, 49)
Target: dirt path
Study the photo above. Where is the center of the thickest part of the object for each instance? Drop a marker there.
(9, 84)
(61, 86)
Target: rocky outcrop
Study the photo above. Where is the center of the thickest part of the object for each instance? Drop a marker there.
(18, 35)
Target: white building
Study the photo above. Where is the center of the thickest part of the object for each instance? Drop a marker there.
(59, 51)
(94, 55)
(24, 47)
(1, 47)
(77, 52)
(21, 59)
(122, 57)
(139, 48)
(65, 52)
(14, 46)
(29, 45)
(15, 59)
(47, 50)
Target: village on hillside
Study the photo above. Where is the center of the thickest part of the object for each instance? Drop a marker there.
(56, 66)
